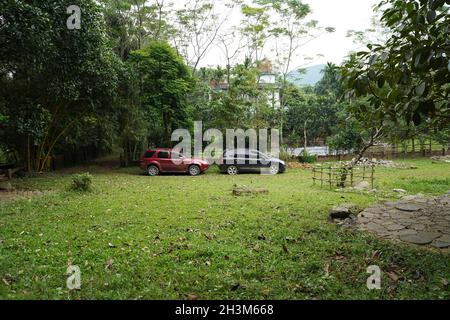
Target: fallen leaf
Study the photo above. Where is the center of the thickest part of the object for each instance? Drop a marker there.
(209, 237)
(226, 258)
(285, 249)
(109, 264)
(393, 276)
(192, 296)
(326, 269)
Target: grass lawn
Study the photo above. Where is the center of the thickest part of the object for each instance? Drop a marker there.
(136, 237)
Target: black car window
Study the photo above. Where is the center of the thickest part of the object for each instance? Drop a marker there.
(229, 154)
(254, 155)
(149, 154)
(242, 154)
(163, 155)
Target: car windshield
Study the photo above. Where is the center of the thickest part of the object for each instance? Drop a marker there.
(262, 155)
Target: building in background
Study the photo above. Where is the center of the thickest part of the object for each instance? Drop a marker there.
(267, 83)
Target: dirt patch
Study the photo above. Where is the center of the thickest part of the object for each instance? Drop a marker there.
(19, 194)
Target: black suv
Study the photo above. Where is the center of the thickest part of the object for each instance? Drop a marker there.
(240, 160)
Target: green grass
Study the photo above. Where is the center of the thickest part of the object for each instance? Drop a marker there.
(172, 236)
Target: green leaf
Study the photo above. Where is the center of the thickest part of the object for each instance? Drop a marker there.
(431, 16)
(381, 81)
(420, 89)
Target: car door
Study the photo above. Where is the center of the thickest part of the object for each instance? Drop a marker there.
(254, 160)
(165, 162)
(179, 162)
(241, 159)
(263, 160)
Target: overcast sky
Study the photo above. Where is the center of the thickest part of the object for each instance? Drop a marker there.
(343, 15)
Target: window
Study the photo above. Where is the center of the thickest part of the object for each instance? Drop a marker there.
(229, 154)
(254, 155)
(176, 155)
(149, 154)
(163, 155)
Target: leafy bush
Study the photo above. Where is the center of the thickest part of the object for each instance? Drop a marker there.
(305, 157)
(285, 156)
(82, 182)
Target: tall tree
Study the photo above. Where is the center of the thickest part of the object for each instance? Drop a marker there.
(166, 82)
(198, 28)
(52, 77)
(255, 26)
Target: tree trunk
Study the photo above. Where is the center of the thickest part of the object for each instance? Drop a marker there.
(305, 136)
(345, 170)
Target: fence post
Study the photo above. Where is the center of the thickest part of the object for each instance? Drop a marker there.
(372, 176)
(314, 176)
(331, 170)
(321, 177)
(351, 178)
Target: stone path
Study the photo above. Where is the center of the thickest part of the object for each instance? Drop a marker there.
(414, 219)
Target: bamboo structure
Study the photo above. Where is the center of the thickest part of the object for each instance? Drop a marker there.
(336, 176)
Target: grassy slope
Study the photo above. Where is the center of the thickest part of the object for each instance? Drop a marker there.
(174, 235)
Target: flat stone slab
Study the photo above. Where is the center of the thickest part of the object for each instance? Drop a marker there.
(413, 219)
(395, 227)
(442, 242)
(420, 238)
(407, 207)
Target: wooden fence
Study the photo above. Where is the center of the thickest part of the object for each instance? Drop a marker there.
(386, 155)
(341, 177)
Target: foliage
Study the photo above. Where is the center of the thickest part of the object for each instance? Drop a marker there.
(348, 134)
(309, 115)
(82, 182)
(408, 77)
(305, 157)
(166, 82)
(52, 77)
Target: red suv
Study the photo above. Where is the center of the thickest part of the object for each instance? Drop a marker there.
(159, 161)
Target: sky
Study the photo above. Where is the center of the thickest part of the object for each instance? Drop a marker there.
(343, 15)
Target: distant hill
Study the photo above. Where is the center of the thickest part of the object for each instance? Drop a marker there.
(311, 76)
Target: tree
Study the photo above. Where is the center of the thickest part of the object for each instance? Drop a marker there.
(166, 82)
(52, 77)
(408, 76)
(198, 26)
(231, 48)
(255, 27)
(309, 114)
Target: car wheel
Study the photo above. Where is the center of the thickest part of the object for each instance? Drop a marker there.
(232, 170)
(194, 171)
(153, 171)
(274, 169)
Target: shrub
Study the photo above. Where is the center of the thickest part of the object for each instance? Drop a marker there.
(285, 156)
(82, 182)
(305, 157)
